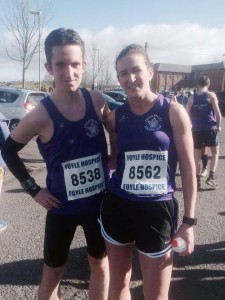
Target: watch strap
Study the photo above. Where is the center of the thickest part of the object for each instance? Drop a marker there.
(189, 221)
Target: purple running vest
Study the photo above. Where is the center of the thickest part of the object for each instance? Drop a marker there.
(147, 158)
(76, 160)
(202, 114)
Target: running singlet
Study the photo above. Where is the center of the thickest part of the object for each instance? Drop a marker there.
(202, 114)
(147, 159)
(76, 160)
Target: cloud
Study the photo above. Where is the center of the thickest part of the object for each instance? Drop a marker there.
(184, 43)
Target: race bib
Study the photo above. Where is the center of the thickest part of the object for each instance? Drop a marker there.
(145, 172)
(84, 177)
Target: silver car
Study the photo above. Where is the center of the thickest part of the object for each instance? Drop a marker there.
(16, 103)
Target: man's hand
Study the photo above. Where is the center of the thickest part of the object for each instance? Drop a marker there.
(47, 200)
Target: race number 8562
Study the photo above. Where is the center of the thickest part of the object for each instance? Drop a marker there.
(141, 172)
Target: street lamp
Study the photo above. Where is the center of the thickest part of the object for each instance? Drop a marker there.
(97, 77)
(38, 13)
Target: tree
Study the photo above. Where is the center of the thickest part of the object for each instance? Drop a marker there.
(24, 28)
(99, 70)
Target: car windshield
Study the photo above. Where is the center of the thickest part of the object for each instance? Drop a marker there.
(35, 98)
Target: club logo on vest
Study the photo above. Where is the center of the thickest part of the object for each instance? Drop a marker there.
(92, 128)
(153, 123)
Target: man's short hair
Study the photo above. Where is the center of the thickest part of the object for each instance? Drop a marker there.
(60, 37)
(203, 81)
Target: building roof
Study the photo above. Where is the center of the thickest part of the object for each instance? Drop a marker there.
(163, 67)
(214, 66)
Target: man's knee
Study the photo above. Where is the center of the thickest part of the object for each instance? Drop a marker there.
(100, 266)
(51, 276)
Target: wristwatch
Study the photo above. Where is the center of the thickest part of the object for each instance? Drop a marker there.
(189, 221)
(31, 187)
(29, 183)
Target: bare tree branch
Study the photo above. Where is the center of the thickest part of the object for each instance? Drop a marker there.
(24, 28)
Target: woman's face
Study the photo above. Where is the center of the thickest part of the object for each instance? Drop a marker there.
(134, 75)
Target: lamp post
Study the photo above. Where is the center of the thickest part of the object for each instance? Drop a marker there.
(97, 77)
(38, 13)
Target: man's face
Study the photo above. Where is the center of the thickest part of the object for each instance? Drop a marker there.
(67, 67)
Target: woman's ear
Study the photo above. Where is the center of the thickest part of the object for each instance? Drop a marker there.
(151, 72)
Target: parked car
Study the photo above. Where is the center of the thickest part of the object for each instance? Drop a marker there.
(221, 99)
(112, 104)
(116, 95)
(16, 103)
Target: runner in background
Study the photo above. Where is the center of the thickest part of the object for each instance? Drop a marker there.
(4, 133)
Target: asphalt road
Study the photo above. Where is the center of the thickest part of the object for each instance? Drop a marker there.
(200, 276)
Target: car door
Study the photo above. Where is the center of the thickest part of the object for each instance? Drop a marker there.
(8, 103)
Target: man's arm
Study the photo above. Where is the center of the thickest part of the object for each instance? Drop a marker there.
(189, 105)
(215, 105)
(110, 127)
(31, 125)
(18, 138)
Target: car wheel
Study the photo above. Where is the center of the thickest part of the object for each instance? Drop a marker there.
(13, 124)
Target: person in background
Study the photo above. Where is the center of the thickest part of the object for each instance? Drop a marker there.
(182, 98)
(204, 159)
(206, 120)
(4, 133)
(151, 132)
(174, 97)
(70, 137)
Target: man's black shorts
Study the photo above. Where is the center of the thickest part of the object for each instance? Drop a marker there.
(149, 225)
(59, 233)
(205, 138)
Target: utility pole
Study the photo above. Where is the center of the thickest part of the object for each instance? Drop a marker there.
(146, 46)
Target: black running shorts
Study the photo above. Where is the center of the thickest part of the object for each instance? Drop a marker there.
(59, 233)
(206, 138)
(149, 225)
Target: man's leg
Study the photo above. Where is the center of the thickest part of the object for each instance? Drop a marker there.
(49, 288)
(99, 279)
(214, 159)
(213, 164)
(98, 261)
(59, 232)
(197, 154)
(204, 158)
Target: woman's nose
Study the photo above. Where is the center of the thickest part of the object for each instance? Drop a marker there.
(131, 77)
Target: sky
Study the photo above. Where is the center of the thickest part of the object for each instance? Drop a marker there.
(175, 31)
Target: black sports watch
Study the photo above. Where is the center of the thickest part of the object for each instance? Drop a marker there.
(29, 183)
(31, 187)
(189, 221)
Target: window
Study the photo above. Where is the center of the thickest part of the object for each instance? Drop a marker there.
(8, 97)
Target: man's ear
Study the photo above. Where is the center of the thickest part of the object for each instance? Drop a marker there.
(84, 65)
(48, 67)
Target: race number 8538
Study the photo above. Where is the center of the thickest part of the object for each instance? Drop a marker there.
(84, 177)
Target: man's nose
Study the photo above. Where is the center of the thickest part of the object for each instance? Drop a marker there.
(69, 71)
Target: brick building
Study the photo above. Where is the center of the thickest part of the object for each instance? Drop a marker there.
(175, 77)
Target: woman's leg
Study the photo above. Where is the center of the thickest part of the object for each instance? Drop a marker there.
(120, 268)
(156, 274)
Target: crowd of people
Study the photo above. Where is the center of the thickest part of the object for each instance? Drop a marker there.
(124, 199)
